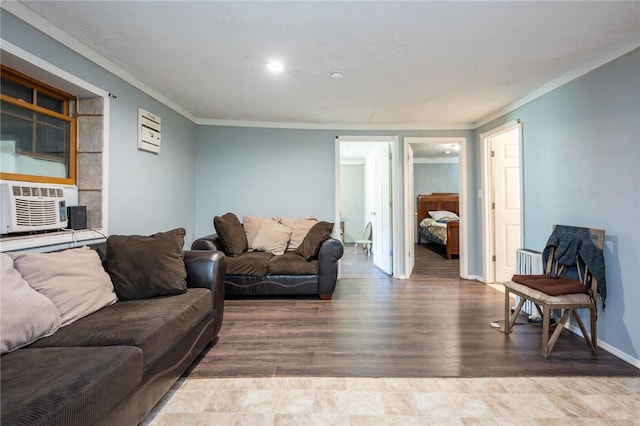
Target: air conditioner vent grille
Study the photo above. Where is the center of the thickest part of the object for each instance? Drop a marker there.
(35, 191)
(36, 213)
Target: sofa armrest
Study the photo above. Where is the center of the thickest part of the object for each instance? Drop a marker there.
(208, 242)
(205, 269)
(330, 252)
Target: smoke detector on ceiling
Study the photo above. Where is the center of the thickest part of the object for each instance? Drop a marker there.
(336, 75)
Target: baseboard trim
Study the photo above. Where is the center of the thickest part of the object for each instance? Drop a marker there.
(607, 347)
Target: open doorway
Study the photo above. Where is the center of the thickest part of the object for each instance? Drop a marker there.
(501, 201)
(364, 197)
(432, 166)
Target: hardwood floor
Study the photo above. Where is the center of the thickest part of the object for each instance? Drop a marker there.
(432, 325)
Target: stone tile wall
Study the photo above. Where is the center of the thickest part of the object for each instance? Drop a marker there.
(90, 158)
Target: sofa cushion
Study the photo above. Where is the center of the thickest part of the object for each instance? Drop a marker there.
(62, 386)
(231, 234)
(299, 229)
(74, 280)
(250, 263)
(251, 225)
(153, 324)
(292, 263)
(318, 234)
(272, 237)
(25, 314)
(146, 266)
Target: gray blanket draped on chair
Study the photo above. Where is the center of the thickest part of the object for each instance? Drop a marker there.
(569, 243)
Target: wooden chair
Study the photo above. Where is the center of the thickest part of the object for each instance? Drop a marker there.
(568, 304)
(366, 241)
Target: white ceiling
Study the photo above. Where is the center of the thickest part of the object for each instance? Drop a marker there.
(426, 63)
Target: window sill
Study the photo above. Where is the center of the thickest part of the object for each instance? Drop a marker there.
(52, 241)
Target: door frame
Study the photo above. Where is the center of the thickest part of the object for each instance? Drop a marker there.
(463, 191)
(487, 231)
(396, 195)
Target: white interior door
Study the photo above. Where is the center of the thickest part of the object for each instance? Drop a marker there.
(382, 222)
(506, 199)
(411, 214)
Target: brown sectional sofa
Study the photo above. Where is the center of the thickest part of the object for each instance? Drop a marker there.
(309, 269)
(112, 366)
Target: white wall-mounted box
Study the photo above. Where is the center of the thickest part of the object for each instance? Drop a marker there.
(149, 131)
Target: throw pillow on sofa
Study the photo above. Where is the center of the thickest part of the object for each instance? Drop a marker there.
(231, 234)
(147, 266)
(74, 280)
(251, 225)
(318, 234)
(272, 237)
(25, 314)
(299, 229)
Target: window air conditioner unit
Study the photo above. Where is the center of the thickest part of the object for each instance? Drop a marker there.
(28, 207)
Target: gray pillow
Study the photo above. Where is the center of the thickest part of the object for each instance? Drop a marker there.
(318, 234)
(25, 314)
(147, 266)
(74, 280)
(231, 234)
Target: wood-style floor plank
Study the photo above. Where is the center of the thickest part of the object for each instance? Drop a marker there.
(432, 325)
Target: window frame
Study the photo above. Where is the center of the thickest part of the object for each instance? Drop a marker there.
(69, 115)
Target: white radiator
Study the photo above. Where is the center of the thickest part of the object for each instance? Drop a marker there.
(528, 262)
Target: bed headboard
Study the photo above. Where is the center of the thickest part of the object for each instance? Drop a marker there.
(437, 201)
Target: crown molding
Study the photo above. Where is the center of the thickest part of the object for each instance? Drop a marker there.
(335, 126)
(597, 61)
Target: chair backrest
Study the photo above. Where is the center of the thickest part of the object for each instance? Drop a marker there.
(584, 275)
(367, 232)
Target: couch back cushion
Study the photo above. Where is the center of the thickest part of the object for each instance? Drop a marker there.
(272, 237)
(231, 234)
(147, 266)
(299, 229)
(74, 280)
(318, 234)
(25, 314)
(251, 225)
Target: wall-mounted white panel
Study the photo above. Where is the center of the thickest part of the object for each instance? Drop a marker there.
(149, 131)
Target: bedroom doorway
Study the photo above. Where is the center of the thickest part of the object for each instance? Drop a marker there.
(433, 165)
(502, 200)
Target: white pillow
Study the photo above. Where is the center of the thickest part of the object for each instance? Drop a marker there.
(25, 314)
(299, 229)
(442, 214)
(74, 280)
(272, 237)
(251, 225)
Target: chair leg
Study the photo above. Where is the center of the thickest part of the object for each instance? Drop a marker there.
(558, 329)
(587, 338)
(355, 249)
(545, 331)
(593, 316)
(510, 319)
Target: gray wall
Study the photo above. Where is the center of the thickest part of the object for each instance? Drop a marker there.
(435, 177)
(147, 193)
(263, 172)
(581, 167)
(352, 201)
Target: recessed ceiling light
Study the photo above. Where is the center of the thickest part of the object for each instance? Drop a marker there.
(275, 66)
(336, 75)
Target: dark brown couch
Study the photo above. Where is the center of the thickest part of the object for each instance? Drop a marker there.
(113, 366)
(263, 274)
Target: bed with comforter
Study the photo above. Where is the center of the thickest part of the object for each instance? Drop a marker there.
(438, 221)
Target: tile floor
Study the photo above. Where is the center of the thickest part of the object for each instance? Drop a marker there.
(400, 401)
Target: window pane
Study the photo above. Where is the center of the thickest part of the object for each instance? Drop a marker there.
(33, 143)
(17, 91)
(50, 103)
